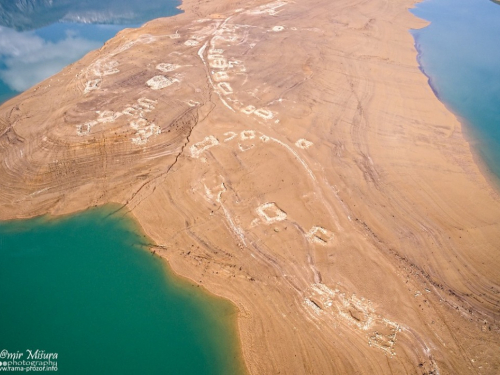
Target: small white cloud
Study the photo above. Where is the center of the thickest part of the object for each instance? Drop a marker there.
(30, 59)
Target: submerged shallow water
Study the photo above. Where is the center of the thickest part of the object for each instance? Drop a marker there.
(460, 53)
(40, 37)
(82, 287)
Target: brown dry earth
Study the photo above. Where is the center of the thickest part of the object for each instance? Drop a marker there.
(291, 157)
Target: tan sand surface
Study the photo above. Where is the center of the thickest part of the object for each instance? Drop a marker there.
(291, 157)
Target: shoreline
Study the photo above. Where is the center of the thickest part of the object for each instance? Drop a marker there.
(177, 281)
(363, 239)
(186, 280)
(191, 321)
(467, 128)
(134, 224)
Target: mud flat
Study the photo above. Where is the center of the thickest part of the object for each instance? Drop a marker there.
(291, 157)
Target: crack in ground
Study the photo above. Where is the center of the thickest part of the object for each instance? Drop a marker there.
(155, 179)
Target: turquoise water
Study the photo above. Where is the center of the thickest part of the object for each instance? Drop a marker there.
(460, 53)
(40, 37)
(85, 288)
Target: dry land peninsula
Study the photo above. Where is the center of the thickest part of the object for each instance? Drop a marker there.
(291, 157)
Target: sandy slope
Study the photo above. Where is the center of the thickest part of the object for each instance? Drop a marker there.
(291, 157)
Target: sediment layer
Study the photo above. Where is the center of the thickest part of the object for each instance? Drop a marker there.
(288, 156)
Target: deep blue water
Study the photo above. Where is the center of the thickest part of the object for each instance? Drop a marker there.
(460, 53)
(38, 41)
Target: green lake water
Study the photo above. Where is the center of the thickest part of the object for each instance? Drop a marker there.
(86, 287)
